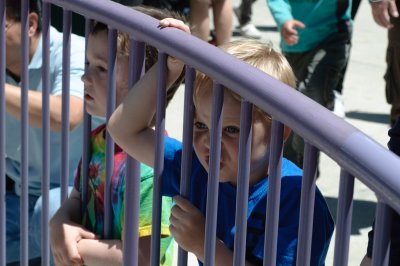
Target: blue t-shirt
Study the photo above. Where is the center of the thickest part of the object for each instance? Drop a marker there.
(288, 216)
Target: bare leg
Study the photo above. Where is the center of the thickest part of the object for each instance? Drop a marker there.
(199, 19)
(223, 19)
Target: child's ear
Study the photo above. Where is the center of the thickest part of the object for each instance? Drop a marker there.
(33, 23)
(286, 133)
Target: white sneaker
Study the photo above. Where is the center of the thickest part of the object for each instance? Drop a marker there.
(338, 109)
(250, 31)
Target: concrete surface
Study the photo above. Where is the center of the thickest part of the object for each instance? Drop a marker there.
(365, 106)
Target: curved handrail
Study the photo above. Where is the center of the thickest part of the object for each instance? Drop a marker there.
(369, 161)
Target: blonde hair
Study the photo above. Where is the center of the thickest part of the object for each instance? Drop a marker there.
(258, 54)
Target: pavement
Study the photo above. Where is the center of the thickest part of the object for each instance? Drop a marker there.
(365, 107)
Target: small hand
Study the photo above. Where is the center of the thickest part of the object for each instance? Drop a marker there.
(174, 23)
(64, 242)
(289, 32)
(175, 65)
(382, 11)
(187, 226)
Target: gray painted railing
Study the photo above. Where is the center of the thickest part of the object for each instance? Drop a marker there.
(349, 147)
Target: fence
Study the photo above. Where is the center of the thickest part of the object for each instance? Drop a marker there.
(349, 147)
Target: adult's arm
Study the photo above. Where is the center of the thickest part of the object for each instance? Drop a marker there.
(13, 107)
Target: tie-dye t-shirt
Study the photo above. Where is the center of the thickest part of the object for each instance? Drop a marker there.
(93, 212)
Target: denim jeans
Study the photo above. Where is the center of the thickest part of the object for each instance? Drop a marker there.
(35, 232)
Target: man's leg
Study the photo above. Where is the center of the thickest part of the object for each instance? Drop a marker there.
(392, 76)
(13, 226)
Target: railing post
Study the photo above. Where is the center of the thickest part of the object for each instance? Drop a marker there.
(307, 202)
(243, 177)
(112, 74)
(343, 221)
(45, 240)
(159, 158)
(66, 60)
(132, 180)
(2, 135)
(187, 147)
(24, 218)
(381, 248)
(213, 175)
(87, 128)
(274, 191)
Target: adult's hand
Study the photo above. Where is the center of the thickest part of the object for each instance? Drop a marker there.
(382, 11)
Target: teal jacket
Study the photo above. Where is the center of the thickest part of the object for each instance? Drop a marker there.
(321, 18)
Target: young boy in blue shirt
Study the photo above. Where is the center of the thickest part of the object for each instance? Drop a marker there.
(187, 216)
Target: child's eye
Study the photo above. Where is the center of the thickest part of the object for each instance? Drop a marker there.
(232, 130)
(200, 126)
(102, 69)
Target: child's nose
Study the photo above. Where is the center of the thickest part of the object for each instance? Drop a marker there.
(85, 78)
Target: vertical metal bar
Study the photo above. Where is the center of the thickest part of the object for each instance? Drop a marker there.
(274, 191)
(2, 134)
(159, 159)
(87, 128)
(187, 147)
(24, 133)
(132, 180)
(112, 74)
(213, 175)
(45, 242)
(242, 195)
(65, 104)
(381, 248)
(344, 216)
(307, 205)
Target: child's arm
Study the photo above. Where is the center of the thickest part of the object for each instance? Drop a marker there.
(188, 229)
(129, 125)
(66, 232)
(109, 252)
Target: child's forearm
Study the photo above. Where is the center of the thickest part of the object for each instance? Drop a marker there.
(100, 252)
(69, 211)
(130, 126)
(109, 252)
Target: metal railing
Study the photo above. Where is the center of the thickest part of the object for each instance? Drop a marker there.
(358, 155)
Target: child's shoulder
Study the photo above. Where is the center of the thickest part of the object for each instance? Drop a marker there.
(289, 169)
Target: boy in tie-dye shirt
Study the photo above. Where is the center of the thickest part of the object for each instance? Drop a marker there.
(76, 229)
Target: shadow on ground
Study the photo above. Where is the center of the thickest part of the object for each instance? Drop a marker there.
(363, 213)
(371, 117)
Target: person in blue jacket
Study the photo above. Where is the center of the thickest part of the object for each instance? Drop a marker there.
(315, 39)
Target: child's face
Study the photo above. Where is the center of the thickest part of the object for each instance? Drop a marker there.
(230, 138)
(96, 75)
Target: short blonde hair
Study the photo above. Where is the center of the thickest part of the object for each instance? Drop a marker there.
(258, 54)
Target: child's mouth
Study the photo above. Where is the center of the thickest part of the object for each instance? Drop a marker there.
(88, 97)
